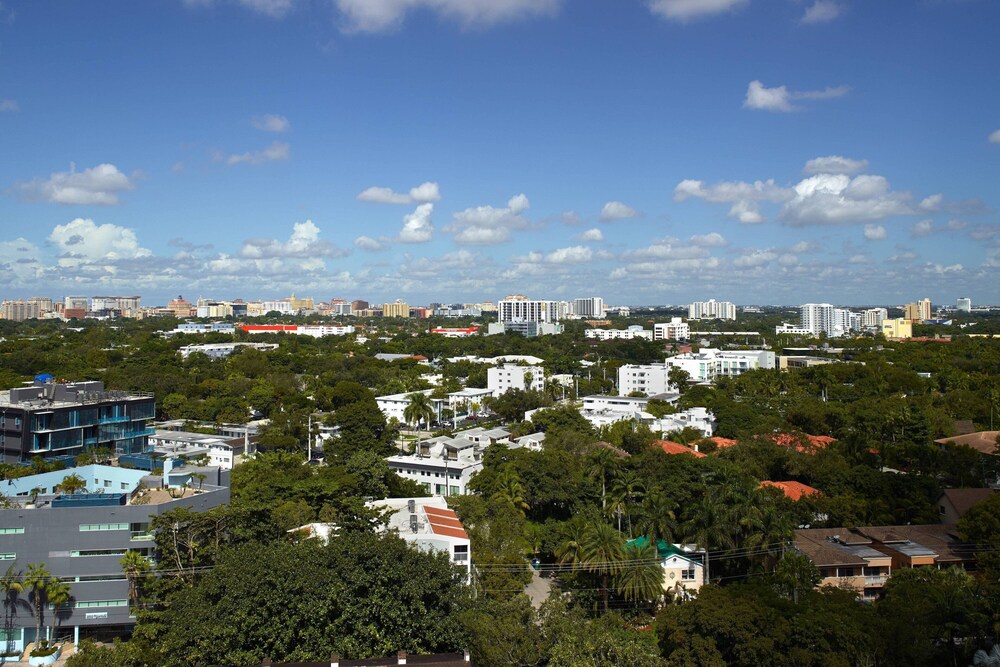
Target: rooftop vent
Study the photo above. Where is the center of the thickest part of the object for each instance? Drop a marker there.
(413, 523)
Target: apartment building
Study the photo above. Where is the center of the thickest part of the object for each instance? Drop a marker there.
(919, 311)
(81, 538)
(429, 525)
(650, 379)
(675, 329)
(51, 419)
(443, 466)
(20, 310)
(501, 379)
(712, 310)
(314, 330)
(397, 309)
(519, 308)
(633, 332)
(590, 307)
(710, 363)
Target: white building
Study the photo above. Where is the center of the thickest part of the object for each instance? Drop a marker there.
(821, 318)
(603, 411)
(394, 405)
(201, 328)
(314, 330)
(519, 308)
(712, 310)
(220, 451)
(283, 306)
(501, 379)
(792, 330)
(964, 305)
(650, 379)
(532, 442)
(675, 329)
(873, 318)
(634, 331)
(340, 307)
(443, 466)
(590, 307)
(220, 350)
(709, 363)
(697, 418)
(429, 525)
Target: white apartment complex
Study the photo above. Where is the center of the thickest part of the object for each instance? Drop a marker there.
(519, 308)
(675, 329)
(634, 331)
(709, 363)
(590, 307)
(650, 379)
(443, 466)
(712, 310)
(501, 379)
(820, 318)
(873, 318)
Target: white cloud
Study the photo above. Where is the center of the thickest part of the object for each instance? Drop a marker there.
(487, 225)
(667, 249)
(272, 8)
(755, 258)
(839, 199)
(995, 137)
(858, 259)
(98, 185)
(21, 259)
(688, 10)
(710, 240)
(835, 164)
(875, 232)
(304, 243)
(270, 123)
(780, 98)
(573, 255)
(743, 196)
(81, 241)
(417, 226)
(616, 210)
(425, 192)
(822, 11)
(381, 15)
(594, 234)
(368, 243)
(276, 151)
(804, 246)
(788, 259)
(8, 105)
(922, 228)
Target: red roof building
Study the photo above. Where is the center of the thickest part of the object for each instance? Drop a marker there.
(792, 490)
(677, 448)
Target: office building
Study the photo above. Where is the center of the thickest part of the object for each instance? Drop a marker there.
(590, 307)
(398, 309)
(712, 310)
(49, 419)
(964, 305)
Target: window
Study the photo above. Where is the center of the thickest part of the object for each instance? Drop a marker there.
(8, 556)
(125, 486)
(85, 527)
(687, 575)
(11, 531)
(97, 552)
(88, 604)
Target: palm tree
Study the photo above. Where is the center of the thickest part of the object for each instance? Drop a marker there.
(709, 527)
(135, 567)
(641, 577)
(72, 484)
(510, 490)
(418, 408)
(12, 587)
(58, 594)
(38, 579)
(657, 519)
(570, 550)
(629, 489)
(602, 553)
(603, 463)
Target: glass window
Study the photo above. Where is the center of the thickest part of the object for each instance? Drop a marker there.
(97, 552)
(84, 527)
(11, 531)
(687, 575)
(8, 556)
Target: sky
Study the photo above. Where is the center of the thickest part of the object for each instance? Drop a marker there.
(645, 151)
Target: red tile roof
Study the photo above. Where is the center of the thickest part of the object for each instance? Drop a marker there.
(792, 490)
(984, 442)
(722, 443)
(444, 522)
(792, 439)
(677, 448)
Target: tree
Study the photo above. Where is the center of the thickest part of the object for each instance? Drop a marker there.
(641, 575)
(59, 593)
(135, 566)
(72, 484)
(38, 580)
(511, 491)
(602, 553)
(603, 464)
(12, 586)
(679, 378)
(418, 409)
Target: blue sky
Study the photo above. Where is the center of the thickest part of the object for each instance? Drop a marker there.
(647, 151)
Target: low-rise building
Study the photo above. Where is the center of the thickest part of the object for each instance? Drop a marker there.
(443, 466)
(428, 524)
(683, 566)
(898, 328)
(314, 330)
(394, 405)
(222, 350)
(648, 379)
(675, 329)
(631, 333)
(709, 363)
(218, 451)
(455, 332)
(502, 379)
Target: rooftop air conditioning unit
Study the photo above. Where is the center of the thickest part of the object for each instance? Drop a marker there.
(413, 523)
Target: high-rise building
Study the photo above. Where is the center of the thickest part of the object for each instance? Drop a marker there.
(964, 305)
(592, 307)
(824, 318)
(75, 303)
(919, 310)
(712, 310)
(873, 317)
(359, 304)
(398, 309)
(675, 329)
(518, 308)
(19, 310)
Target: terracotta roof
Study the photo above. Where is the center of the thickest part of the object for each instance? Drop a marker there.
(984, 442)
(722, 443)
(444, 522)
(965, 499)
(792, 490)
(677, 448)
(621, 453)
(790, 439)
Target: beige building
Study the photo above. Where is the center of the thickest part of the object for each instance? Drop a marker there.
(898, 328)
(398, 309)
(19, 310)
(919, 311)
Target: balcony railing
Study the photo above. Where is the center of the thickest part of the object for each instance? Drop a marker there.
(876, 580)
(141, 536)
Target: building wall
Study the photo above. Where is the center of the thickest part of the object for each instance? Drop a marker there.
(502, 379)
(650, 379)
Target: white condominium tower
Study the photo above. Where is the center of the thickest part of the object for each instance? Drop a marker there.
(519, 308)
(712, 310)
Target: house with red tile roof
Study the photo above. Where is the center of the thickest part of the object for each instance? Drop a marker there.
(792, 490)
(802, 442)
(677, 448)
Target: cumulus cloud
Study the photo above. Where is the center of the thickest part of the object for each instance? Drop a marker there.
(689, 10)
(835, 164)
(270, 123)
(804, 246)
(710, 240)
(922, 228)
(417, 226)
(82, 241)
(616, 210)
(487, 225)
(594, 234)
(368, 243)
(304, 243)
(573, 255)
(780, 98)
(995, 137)
(667, 249)
(875, 232)
(425, 192)
(822, 11)
(21, 259)
(382, 15)
(276, 151)
(8, 105)
(98, 185)
(743, 197)
(840, 199)
(753, 258)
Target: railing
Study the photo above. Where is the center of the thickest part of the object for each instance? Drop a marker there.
(113, 420)
(877, 580)
(141, 535)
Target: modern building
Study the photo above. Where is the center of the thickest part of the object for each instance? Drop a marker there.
(824, 318)
(314, 330)
(518, 308)
(501, 379)
(222, 350)
(964, 305)
(220, 452)
(633, 332)
(592, 307)
(712, 310)
(201, 328)
(709, 363)
(919, 310)
(429, 525)
(872, 319)
(51, 419)
(394, 405)
(340, 307)
(526, 329)
(648, 379)
(675, 329)
(443, 466)
(82, 537)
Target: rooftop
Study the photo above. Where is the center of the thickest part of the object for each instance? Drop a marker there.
(671, 447)
(984, 442)
(792, 490)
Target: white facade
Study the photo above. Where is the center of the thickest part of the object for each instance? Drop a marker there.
(712, 310)
(632, 332)
(709, 363)
(501, 379)
(792, 329)
(675, 329)
(821, 318)
(964, 305)
(698, 418)
(429, 525)
(521, 309)
(650, 379)
(394, 405)
(314, 330)
(873, 318)
(220, 350)
(190, 445)
(284, 306)
(592, 307)
(445, 470)
(341, 308)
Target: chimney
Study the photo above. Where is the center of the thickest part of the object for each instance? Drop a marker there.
(401, 658)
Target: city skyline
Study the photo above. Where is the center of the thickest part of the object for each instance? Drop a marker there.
(659, 151)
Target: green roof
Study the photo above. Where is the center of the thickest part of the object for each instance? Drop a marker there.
(663, 548)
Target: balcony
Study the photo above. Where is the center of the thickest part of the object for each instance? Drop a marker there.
(141, 536)
(876, 580)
